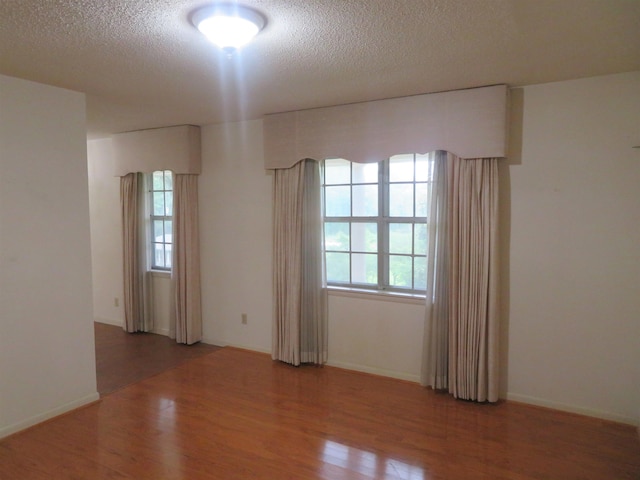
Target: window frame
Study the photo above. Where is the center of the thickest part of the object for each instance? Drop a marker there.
(153, 218)
(383, 223)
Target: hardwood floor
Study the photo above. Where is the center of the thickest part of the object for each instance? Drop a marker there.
(235, 414)
(124, 358)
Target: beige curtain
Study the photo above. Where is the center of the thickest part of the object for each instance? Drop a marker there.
(137, 285)
(462, 306)
(300, 297)
(185, 270)
(435, 370)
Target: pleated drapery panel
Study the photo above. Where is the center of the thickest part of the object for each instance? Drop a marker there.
(185, 270)
(299, 311)
(473, 279)
(137, 286)
(461, 324)
(313, 319)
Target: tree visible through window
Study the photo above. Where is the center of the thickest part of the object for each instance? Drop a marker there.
(161, 219)
(375, 218)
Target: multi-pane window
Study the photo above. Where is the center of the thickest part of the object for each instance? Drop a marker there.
(375, 222)
(161, 219)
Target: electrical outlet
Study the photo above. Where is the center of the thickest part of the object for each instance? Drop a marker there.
(116, 302)
(244, 319)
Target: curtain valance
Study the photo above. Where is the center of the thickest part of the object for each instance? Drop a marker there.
(470, 123)
(170, 148)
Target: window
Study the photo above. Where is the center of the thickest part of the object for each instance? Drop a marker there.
(375, 226)
(161, 191)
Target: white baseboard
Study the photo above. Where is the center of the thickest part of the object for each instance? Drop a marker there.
(117, 323)
(108, 321)
(540, 402)
(162, 331)
(222, 343)
(375, 371)
(344, 365)
(31, 421)
(214, 341)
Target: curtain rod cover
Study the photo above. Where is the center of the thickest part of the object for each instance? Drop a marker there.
(169, 148)
(469, 123)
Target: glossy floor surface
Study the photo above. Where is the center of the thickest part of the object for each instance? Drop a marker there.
(235, 414)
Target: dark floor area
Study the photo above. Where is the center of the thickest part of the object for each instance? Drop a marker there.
(124, 358)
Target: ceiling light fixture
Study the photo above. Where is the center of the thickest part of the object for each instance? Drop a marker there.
(229, 26)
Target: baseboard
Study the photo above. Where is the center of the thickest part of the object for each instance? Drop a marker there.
(214, 341)
(375, 371)
(117, 323)
(108, 321)
(344, 365)
(222, 343)
(540, 402)
(62, 409)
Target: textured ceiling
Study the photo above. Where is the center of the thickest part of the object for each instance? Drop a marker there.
(143, 65)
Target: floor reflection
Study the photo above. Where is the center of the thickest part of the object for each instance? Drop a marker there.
(351, 459)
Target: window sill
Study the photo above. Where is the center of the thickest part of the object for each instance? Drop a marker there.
(160, 273)
(376, 295)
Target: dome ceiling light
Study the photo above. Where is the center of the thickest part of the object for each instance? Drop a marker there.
(229, 26)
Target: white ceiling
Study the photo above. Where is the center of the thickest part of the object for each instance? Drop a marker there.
(143, 65)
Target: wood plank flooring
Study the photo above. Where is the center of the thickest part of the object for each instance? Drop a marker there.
(123, 358)
(235, 414)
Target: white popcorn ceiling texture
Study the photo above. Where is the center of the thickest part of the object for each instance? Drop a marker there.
(142, 64)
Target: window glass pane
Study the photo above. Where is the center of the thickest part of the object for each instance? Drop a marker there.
(400, 274)
(364, 237)
(338, 201)
(336, 236)
(365, 200)
(420, 239)
(157, 181)
(423, 168)
(158, 230)
(401, 168)
(420, 273)
(158, 203)
(168, 180)
(337, 171)
(422, 193)
(158, 255)
(364, 268)
(400, 238)
(168, 225)
(337, 267)
(401, 200)
(167, 255)
(365, 172)
(168, 196)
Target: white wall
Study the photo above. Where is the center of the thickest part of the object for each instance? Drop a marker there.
(161, 288)
(570, 242)
(106, 233)
(47, 359)
(376, 334)
(574, 315)
(235, 236)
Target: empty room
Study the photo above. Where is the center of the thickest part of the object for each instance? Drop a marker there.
(391, 239)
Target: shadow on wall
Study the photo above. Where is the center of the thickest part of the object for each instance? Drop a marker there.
(516, 101)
